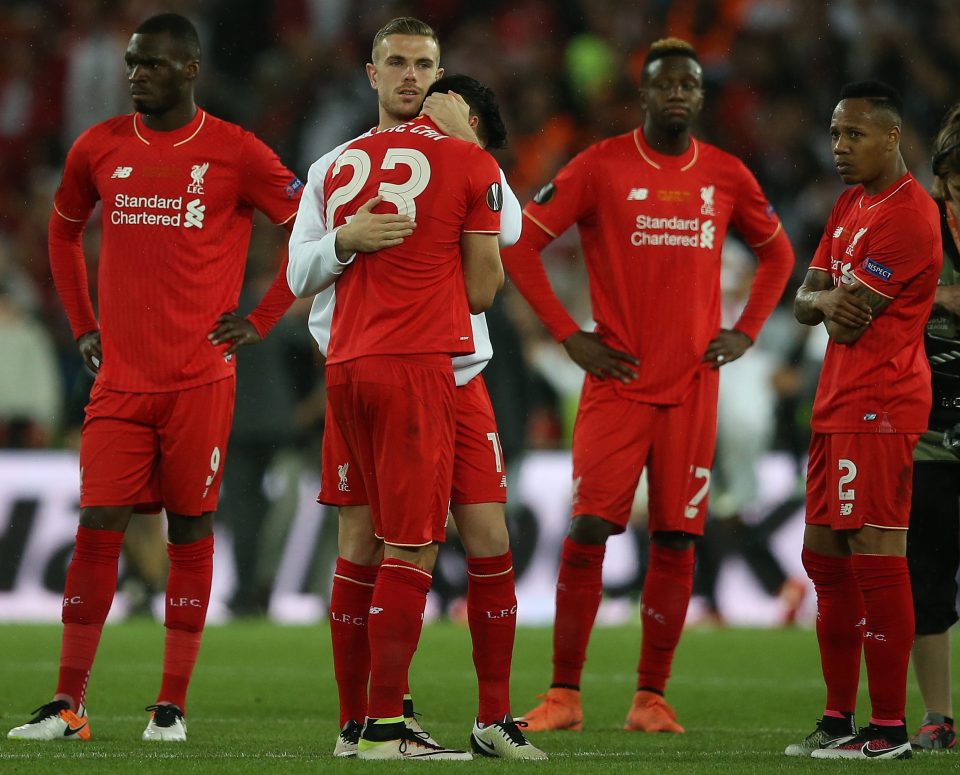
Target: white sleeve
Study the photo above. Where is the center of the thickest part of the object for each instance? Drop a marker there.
(313, 264)
(511, 215)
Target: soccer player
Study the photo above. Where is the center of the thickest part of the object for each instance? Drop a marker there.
(871, 283)
(653, 207)
(177, 188)
(933, 541)
(479, 488)
(401, 313)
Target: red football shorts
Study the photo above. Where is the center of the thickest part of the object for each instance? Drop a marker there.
(396, 417)
(145, 449)
(858, 479)
(479, 470)
(615, 438)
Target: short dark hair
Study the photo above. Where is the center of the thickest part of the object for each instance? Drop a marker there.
(483, 104)
(403, 25)
(946, 152)
(877, 93)
(179, 28)
(669, 47)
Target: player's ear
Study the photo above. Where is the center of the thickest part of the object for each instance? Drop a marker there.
(893, 137)
(439, 74)
(372, 74)
(192, 70)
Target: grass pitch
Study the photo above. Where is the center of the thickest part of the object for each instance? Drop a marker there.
(264, 700)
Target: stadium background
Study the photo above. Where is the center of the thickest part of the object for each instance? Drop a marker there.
(566, 72)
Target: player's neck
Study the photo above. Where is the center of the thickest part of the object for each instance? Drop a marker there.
(178, 116)
(389, 121)
(667, 143)
(887, 179)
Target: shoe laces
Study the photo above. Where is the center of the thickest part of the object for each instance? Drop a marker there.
(52, 708)
(511, 729)
(165, 715)
(351, 731)
(419, 738)
(423, 735)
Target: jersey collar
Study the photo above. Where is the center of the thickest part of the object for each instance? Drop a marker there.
(661, 161)
(172, 139)
(870, 201)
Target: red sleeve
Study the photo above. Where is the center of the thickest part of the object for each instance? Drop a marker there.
(275, 191)
(776, 264)
(267, 184)
(72, 204)
(753, 216)
(899, 249)
(523, 264)
(821, 258)
(485, 193)
(565, 199)
(69, 269)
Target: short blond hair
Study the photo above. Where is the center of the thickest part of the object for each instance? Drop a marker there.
(403, 25)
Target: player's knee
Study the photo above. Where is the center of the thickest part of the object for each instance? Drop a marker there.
(483, 533)
(188, 530)
(676, 540)
(587, 529)
(106, 517)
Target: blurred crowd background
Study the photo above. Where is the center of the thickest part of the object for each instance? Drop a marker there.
(566, 73)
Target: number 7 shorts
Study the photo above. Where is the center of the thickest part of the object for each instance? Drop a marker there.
(858, 479)
(615, 438)
(156, 449)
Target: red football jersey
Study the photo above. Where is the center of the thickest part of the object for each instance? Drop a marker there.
(652, 227)
(177, 211)
(890, 242)
(410, 298)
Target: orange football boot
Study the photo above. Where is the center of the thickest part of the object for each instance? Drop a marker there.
(650, 713)
(560, 709)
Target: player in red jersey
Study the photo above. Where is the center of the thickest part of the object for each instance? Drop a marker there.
(401, 313)
(405, 59)
(652, 207)
(177, 188)
(871, 283)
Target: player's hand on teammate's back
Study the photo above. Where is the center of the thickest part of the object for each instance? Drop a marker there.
(368, 232)
(234, 329)
(451, 114)
(842, 306)
(726, 347)
(91, 350)
(587, 350)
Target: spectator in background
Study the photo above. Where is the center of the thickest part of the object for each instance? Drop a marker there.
(31, 393)
(933, 541)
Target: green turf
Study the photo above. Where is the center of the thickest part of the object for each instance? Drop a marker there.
(263, 700)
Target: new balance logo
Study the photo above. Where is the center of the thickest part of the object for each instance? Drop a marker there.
(122, 172)
(837, 232)
(637, 194)
(194, 215)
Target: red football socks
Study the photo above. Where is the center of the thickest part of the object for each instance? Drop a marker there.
(396, 618)
(663, 609)
(350, 599)
(188, 595)
(888, 637)
(579, 589)
(492, 615)
(840, 615)
(87, 597)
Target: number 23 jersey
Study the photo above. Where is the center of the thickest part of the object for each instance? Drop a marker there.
(410, 298)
